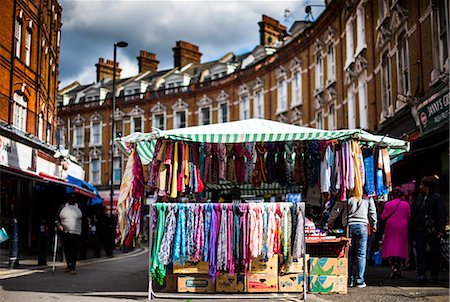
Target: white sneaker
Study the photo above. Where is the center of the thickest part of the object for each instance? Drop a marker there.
(362, 285)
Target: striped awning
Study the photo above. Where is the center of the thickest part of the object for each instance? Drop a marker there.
(252, 130)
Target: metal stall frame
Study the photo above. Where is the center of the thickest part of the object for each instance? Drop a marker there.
(152, 294)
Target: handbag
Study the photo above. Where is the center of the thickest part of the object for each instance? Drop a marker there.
(430, 226)
(3, 235)
(383, 222)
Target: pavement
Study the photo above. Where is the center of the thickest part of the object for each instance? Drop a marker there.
(124, 278)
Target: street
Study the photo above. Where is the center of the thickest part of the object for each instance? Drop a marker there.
(124, 278)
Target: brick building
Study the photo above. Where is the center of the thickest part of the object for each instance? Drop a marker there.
(361, 64)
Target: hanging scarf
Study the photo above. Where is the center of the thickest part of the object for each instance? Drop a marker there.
(260, 171)
(369, 185)
(231, 168)
(244, 245)
(157, 269)
(165, 252)
(299, 173)
(236, 235)
(201, 159)
(256, 229)
(270, 162)
(213, 241)
(250, 162)
(297, 251)
(325, 171)
(222, 247)
(356, 154)
(281, 164)
(230, 240)
(277, 238)
(207, 230)
(179, 249)
(152, 182)
(222, 156)
(174, 190)
(271, 226)
(200, 234)
(265, 222)
(286, 231)
(190, 231)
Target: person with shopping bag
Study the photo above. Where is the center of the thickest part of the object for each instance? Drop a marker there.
(395, 217)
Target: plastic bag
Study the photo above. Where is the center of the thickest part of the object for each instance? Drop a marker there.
(3, 235)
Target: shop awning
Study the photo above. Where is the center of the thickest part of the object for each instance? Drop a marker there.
(253, 130)
(77, 189)
(81, 183)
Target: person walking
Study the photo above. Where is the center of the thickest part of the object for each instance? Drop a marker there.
(69, 224)
(429, 225)
(357, 214)
(395, 216)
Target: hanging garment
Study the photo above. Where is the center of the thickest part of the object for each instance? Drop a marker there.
(240, 154)
(168, 161)
(343, 172)
(231, 168)
(201, 159)
(165, 251)
(215, 164)
(387, 167)
(174, 189)
(298, 249)
(260, 171)
(207, 230)
(244, 244)
(325, 171)
(357, 156)
(286, 230)
(337, 167)
(179, 248)
(271, 229)
(154, 170)
(314, 160)
(264, 229)
(190, 232)
(299, 174)
(256, 229)
(280, 165)
(180, 176)
(277, 246)
(381, 178)
(157, 269)
(249, 164)
(230, 241)
(199, 232)
(213, 242)
(162, 170)
(222, 156)
(289, 151)
(207, 172)
(222, 240)
(270, 162)
(199, 183)
(186, 167)
(236, 235)
(369, 185)
(350, 166)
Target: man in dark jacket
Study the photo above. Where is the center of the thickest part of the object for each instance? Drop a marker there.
(428, 223)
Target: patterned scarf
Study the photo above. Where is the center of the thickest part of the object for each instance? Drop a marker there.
(207, 228)
(179, 250)
(222, 240)
(213, 241)
(230, 237)
(199, 235)
(299, 231)
(164, 255)
(190, 246)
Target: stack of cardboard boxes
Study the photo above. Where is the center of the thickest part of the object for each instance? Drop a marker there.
(193, 278)
(263, 276)
(328, 275)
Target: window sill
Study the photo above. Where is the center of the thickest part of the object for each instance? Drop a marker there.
(296, 105)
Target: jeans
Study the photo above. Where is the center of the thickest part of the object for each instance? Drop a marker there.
(421, 247)
(358, 250)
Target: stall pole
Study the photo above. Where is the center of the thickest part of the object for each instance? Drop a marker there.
(150, 248)
(305, 275)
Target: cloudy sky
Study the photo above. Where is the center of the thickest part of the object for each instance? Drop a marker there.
(217, 27)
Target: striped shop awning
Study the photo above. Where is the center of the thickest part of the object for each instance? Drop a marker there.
(252, 130)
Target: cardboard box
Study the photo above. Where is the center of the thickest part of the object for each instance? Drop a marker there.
(328, 284)
(263, 266)
(195, 284)
(230, 284)
(170, 284)
(191, 268)
(328, 266)
(290, 283)
(258, 283)
(295, 266)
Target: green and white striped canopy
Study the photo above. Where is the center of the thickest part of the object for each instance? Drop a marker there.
(252, 130)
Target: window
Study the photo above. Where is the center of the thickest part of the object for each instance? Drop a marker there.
(79, 135)
(282, 96)
(351, 110)
(60, 142)
(18, 36)
(349, 43)
(319, 73)
(319, 120)
(386, 84)
(118, 128)
(331, 66)
(443, 32)
(205, 116)
(137, 124)
(48, 134)
(223, 113)
(20, 112)
(244, 107)
(362, 96)
(159, 121)
(331, 118)
(95, 171)
(96, 138)
(41, 126)
(28, 47)
(258, 105)
(403, 64)
(360, 29)
(296, 89)
(383, 8)
(117, 169)
(180, 119)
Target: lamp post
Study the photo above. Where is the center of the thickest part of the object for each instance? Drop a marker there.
(113, 111)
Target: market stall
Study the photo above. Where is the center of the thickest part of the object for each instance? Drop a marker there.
(229, 212)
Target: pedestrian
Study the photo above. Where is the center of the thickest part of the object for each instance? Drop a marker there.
(69, 224)
(357, 214)
(429, 224)
(107, 231)
(395, 216)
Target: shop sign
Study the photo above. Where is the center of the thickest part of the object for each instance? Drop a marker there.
(433, 111)
(17, 155)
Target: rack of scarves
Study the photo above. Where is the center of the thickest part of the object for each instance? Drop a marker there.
(227, 235)
(340, 168)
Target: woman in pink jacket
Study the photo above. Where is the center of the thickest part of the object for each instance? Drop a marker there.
(396, 214)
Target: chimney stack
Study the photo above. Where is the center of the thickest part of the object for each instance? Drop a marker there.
(185, 53)
(147, 61)
(270, 31)
(105, 69)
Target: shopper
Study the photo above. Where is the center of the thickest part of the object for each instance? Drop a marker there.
(429, 224)
(361, 212)
(69, 223)
(395, 216)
